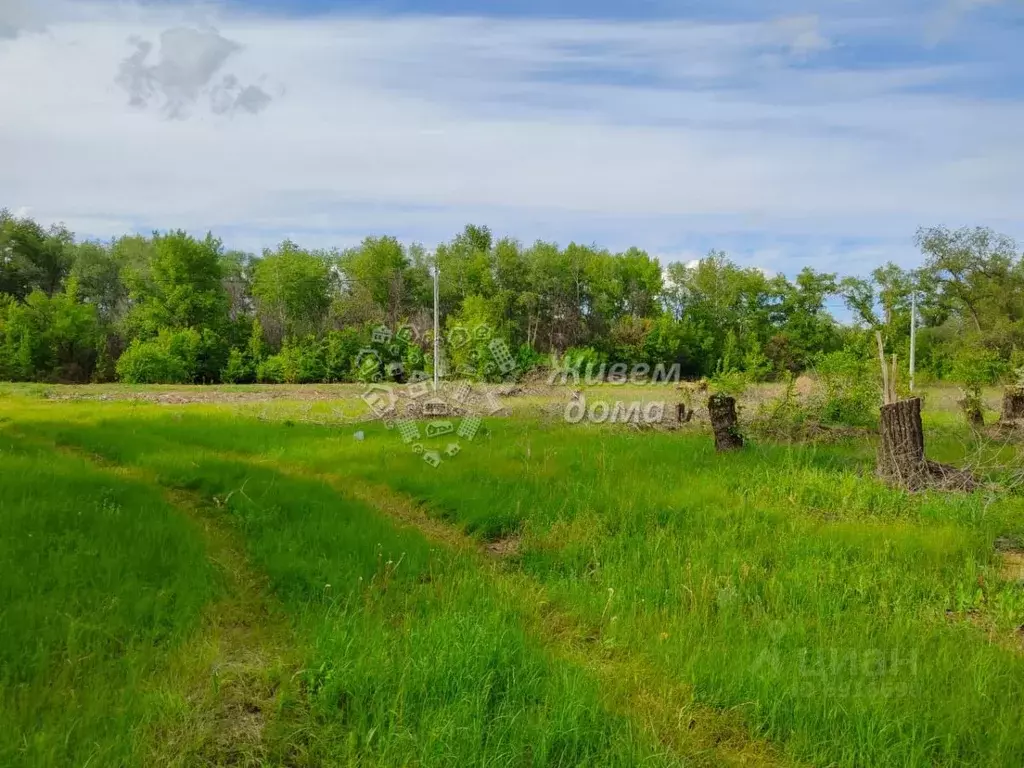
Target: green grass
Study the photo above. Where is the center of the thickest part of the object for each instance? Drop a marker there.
(99, 580)
(406, 656)
(784, 587)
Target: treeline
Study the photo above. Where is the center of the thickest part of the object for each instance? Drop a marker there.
(172, 308)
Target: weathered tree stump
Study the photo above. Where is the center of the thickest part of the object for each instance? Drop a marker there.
(901, 460)
(725, 423)
(1013, 407)
(901, 457)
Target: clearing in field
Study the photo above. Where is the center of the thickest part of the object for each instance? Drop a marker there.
(215, 577)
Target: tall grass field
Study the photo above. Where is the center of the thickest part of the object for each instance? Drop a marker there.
(230, 583)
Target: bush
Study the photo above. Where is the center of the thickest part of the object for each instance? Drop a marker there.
(340, 350)
(48, 338)
(211, 357)
(974, 367)
(415, 360)
(850, 394)
(731, 383)
(150, 362)
(584, 357)
(528, 359)
(238, 370)
(785, 416)
(304, 362)
(271, 370)
(184, 356)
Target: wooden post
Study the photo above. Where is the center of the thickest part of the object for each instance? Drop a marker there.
(886, 394)
(725, 423)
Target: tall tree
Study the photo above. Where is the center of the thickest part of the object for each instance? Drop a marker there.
(292, 289)
(180, 287)
(975, 272)
(32, 258)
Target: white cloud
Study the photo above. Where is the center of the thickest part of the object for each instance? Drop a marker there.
(616, 132)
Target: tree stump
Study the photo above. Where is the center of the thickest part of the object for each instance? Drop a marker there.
(901, 456)
(1013, 407)
(725, 423)
(901, 460)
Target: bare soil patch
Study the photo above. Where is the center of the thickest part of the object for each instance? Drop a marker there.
(504, 547)
(208, 394)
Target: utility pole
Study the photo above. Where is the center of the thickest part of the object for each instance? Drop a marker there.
(437, 330)
(913, 336)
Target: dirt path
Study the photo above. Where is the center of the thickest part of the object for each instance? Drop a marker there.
(237, 667)
(222, 685)
(229, 676)
(665, 710)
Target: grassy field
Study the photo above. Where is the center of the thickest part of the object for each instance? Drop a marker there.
(190, 578)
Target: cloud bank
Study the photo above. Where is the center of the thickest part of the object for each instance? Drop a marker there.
(785, 140)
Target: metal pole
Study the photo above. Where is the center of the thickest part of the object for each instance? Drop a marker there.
(437, 332)
(913, 336)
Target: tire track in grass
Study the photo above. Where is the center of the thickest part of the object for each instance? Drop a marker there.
(223, 685)
(665, 710)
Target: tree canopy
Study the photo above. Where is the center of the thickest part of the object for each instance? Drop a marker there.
(173, 307)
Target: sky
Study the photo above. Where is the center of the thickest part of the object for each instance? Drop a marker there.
(786, 134)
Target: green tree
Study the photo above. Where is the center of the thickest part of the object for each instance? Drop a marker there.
(98, 272)
(292, 289)
(48, 338)
(180, 288)
(381, 282)
(32, 258)
(974, 273)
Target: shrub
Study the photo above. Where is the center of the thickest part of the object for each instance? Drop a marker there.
(238, 370)
(783, 416)
(729, 381)
(974, 367)
(528, 359)
(198, 357)
(415, 360)
(48, 338)
(271, 370)
(340, 349)
(584, 358)
(150, 362)
(850, 394)
(304, 362)
(1016, 367)
(211, 357)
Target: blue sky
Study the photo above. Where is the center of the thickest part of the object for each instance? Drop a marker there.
(786, 134)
